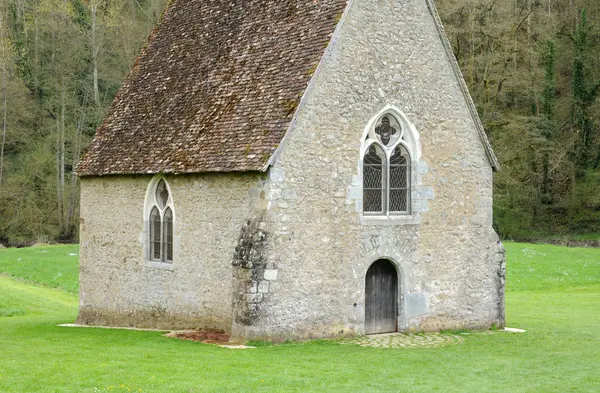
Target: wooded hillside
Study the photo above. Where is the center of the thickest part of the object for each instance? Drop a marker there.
(533, 67)
(62, 62)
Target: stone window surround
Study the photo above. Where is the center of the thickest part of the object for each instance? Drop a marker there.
(413, 145)
(149, 203)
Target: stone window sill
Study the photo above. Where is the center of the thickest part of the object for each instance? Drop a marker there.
(159, 265)
(407, 219)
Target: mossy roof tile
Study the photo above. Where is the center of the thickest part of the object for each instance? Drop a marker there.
(213, 88)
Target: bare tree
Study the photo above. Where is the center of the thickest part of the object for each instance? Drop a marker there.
(4, 59)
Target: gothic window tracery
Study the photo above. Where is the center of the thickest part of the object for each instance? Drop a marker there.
(160, 223)
(386, 169)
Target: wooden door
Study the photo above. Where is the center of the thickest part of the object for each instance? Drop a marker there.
(381, 294)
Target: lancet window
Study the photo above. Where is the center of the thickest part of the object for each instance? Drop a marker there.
(160, 224)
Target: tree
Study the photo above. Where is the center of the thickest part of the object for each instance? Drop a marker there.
(6, 65)
(69, 58)
(585, 90)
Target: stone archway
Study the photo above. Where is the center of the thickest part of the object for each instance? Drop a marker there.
(381, 298)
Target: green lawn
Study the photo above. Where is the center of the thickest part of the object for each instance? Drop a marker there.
(53, 266)
(554, 293)
(542, 267)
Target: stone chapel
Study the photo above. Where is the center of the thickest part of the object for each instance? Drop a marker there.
(292, 169)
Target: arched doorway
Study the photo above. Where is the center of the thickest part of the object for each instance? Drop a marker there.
(381, 298)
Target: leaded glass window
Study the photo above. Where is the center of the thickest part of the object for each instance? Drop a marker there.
(399, 180)
(168, 235)
(155, 242)
(373, 179)
(162, 194)
(160, 223)
(386, 169)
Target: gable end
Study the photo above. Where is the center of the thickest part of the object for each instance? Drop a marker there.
(463, 87)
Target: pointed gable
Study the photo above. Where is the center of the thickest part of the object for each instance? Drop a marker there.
(463, 87)
(215, 89)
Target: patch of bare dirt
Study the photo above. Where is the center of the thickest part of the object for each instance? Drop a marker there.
(204, 336)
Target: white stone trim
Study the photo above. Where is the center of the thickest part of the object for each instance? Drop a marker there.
(412, 138)
(160, 265)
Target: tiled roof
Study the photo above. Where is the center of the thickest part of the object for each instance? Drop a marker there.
(215, 89)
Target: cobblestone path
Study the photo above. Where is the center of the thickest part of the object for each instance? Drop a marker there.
(400, 340)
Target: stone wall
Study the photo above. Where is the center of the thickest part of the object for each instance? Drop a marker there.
(119, 287)
(319, 247)
(284, 254)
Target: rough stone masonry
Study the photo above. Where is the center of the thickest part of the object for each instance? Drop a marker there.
(283, 251)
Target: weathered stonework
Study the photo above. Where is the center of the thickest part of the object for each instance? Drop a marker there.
(284, 254)
(384, 53)
(118, 285)
(250, 262)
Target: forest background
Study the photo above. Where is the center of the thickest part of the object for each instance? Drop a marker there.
(532, 66)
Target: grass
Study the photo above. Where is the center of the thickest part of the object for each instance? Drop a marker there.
(52, 266)
(559, 353)
(542, 267)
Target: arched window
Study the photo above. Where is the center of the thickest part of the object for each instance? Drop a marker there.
(159, 204)
(386, 169)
